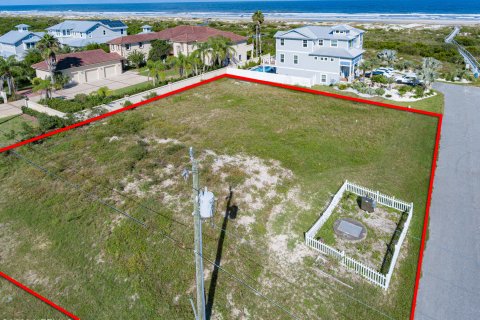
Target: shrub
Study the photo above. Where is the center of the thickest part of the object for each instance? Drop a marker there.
(342, 86)
(127, 103)
(379, 79)
(404, 89)
(419, 92)
(388, 96)
(380, 91)
(150, 95)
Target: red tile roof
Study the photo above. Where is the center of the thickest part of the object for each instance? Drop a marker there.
(180, 34)
(80, 59)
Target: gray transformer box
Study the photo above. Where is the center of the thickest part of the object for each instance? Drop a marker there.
(368, 204)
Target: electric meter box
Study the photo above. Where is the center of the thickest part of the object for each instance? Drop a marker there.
(207, 203)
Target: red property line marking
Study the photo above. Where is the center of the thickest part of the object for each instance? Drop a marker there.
(289, 87)
(36, 295)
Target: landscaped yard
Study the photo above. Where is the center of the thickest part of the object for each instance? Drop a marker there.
(283, 153)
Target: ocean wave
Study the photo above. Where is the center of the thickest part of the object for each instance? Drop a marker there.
(269, 15)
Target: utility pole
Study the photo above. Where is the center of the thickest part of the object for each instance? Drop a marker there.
(200, 314)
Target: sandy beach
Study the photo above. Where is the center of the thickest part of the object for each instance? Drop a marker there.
(395, 21)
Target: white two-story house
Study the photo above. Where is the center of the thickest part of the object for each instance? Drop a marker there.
(77, 34)
(18, 42)
(326, 54)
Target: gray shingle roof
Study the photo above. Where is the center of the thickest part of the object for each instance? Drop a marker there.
(13, 37)
(75, 26)
(22, 26)
(320, 32)
(337, 52)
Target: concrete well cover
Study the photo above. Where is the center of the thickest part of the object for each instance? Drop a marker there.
(349, 229)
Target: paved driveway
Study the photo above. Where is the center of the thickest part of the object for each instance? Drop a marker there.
(450, 285)
(121, 81)
(8, 110)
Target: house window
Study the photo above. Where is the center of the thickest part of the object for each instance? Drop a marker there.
(324, 78)
(282, 58)
(282, 42)
(305, 43)
(127, 46)
(104, 32)
(316, 58)
(64, 32)
(295, 59)
(140, 44)
(68, 32)
(239, 57)
(121, 31)
(332, 59)
(333, 43)
(320, 42)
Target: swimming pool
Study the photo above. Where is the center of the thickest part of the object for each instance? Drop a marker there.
(266, 69)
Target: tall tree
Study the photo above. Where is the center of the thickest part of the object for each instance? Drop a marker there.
(222, 50)
(9, 69)
(49, 46)
(203, 50)
(160, 50)
(258, 19)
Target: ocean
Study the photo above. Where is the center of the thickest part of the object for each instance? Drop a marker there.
(312, 10)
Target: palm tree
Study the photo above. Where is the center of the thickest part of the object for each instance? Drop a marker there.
(195, 61)
(9, 69)
(258, 19)
(156, 70)
(221, 49)
(389, 56)
(429, 71)
(365, 66)
(180, 62)
(46, 85)
(49, 46)
(203, 51)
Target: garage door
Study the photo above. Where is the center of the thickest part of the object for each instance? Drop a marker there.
(91, 75)
(110, 72)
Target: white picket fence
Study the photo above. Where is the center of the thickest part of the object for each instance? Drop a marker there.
(368, 273)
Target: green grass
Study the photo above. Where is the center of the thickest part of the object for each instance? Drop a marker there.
(11, 128)
(98, 266)
(433, 104)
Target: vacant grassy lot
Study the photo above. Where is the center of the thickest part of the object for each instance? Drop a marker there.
(11, 127)
(283, 153)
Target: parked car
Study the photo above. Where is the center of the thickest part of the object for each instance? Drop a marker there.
(409, 78)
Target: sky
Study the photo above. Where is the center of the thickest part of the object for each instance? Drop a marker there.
(27, 2)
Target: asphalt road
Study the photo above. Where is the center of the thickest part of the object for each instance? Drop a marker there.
(450, 283)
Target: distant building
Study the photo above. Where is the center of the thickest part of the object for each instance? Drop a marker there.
(84, 66)
(18, 42)
(327, 54)
(77, 34)
(184, 39)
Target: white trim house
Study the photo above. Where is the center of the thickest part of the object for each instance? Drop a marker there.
(18, 42)
(77, 34)
(325, 54)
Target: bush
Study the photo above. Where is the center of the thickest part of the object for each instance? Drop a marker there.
(380, 91)
(150, 95)
(342, 86)
(127, 103)
(404, 89)
(379, 79)
(45, 122)
(419, 92)
(388, 96)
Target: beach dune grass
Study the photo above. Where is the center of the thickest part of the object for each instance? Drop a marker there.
(99, 264)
